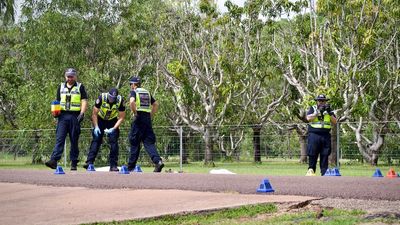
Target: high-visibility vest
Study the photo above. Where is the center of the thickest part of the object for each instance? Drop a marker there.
(70, 100)
(325, 123)
(108, 112)
(143, 100)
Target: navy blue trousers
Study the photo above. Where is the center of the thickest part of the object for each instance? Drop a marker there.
(67, 124)
(97, 141)
(142, 131)
(318, 144)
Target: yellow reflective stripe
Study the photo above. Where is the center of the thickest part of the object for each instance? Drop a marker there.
(106, 110)
(326, 123)
(75, 97)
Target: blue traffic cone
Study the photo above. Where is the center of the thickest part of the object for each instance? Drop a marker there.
(59, 170)
(265, 186)
(335, 172)
(137, 169)
(124, 170)
(377, 173)
(91, 168)
(328, 172)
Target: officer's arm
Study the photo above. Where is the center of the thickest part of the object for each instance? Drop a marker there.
(121, 117)
(94, 116)
(154, 108)
(132, 105)
(84, 98)
(312, 116)
(83, 105)
(333, 119)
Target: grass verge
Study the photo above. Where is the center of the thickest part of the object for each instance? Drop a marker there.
(264, 214)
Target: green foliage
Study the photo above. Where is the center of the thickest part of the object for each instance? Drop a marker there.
(254, 48)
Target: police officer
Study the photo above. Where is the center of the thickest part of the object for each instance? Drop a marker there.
(321, 118)
(143, 107)
(73, 101)
(108, 114)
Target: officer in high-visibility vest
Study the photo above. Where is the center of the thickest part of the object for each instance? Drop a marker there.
(321, 118)
(73, 101)
(143, 107)
(108, 114)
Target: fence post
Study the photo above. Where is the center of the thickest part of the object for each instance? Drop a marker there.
(337, 145)
(180, 148)
(65, 153)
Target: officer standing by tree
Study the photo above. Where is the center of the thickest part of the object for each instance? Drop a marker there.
(321, 118)
(108, 114)
(143, 107)
(73, 101)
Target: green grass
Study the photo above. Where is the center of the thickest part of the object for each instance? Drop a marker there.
(211, 217)
(262, 214)
(279, 167)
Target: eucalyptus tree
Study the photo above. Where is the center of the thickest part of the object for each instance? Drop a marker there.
(364, 40)
(202, 89)
(334, 53)
(261, 87)
(377, 74)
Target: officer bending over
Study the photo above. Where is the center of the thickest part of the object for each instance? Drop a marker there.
(108, 114)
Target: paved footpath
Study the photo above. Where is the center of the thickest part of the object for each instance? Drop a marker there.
(40, 197)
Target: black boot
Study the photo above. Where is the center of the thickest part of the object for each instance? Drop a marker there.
(131, 167)
(158, 167)
(74, 166)
(114, 169)
(52, 164)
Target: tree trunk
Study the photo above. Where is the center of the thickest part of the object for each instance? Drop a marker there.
(257, 143)
(185, 147)
(374, 159)
(208, 157)
(303, 148)
(333, 157)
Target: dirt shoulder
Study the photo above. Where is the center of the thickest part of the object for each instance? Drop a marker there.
(33, 204)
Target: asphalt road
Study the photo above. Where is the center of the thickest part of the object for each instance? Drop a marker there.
(366, 188)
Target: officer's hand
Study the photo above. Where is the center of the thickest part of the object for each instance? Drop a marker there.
(96, 131)
(109, 131)
(315, 113)
(80, 117)
(328, 108)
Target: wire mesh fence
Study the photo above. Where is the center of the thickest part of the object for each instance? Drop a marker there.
(181, 144)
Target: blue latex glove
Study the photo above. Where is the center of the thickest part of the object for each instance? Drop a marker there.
(96, 131)
(109, 131)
